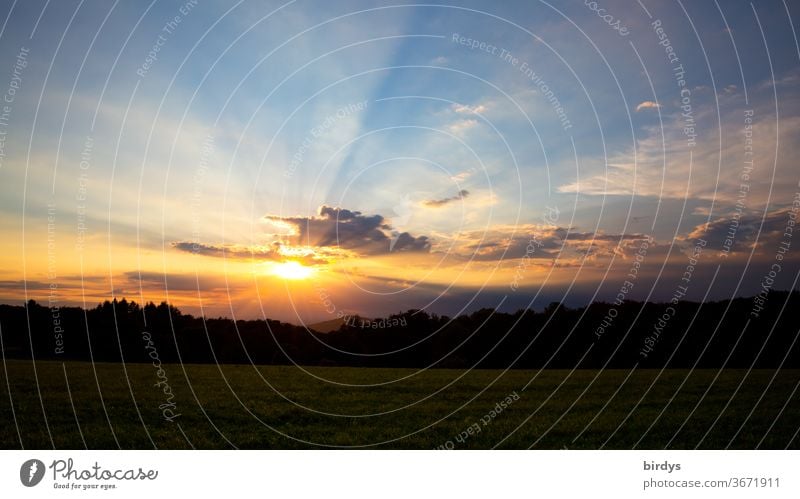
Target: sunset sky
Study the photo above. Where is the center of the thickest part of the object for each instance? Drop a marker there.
(310, 159)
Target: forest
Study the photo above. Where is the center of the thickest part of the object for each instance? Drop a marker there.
(717, 334)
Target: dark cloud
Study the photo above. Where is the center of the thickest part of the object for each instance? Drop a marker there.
(436, 203)
(21, 285)
(738, 231)
(314, 240)
(61, 283)
(353, 231)
(404, 241)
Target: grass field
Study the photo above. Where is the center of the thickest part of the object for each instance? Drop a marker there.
(115, 405)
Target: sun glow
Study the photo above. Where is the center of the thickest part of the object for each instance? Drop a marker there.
(291, 270)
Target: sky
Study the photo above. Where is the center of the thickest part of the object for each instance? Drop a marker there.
(310, 160)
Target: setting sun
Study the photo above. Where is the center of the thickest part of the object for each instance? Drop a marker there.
(291, 270)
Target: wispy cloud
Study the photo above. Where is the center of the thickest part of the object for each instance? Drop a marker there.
(273, 252)
(436, 203)
(466, 109)
(661, 165)
(462, 176)
(460, 127)
(648, 104)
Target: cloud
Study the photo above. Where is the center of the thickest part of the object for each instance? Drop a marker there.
(461, 126)
(64, 283)
(274, 252)
(662, 169)
(178, 282)
(467, 109)
(20, 285)
(229, 251)
(738, 231)
(790, 79)
(662, 165)
(337, 233)
(648, 104)
(352, 231)
(462, 176)
(436, 203)
(334, 233)
(549, 242)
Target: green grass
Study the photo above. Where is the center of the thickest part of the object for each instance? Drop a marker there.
(426, 410)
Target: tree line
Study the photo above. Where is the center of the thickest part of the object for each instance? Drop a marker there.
(622, 335)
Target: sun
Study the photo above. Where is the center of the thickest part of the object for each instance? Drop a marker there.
(291, 270)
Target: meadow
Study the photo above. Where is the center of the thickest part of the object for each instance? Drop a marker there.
(80, 405)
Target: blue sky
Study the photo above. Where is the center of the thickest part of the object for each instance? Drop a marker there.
(421, 118)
